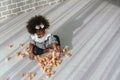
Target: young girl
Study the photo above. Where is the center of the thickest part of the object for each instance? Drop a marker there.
(40, 40)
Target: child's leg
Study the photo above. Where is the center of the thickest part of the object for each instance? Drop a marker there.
(39, 51)
(34, 50)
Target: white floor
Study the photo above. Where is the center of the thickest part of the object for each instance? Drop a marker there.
(90, 27)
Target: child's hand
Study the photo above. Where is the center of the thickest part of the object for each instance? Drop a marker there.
(58, 53)
(50, 50)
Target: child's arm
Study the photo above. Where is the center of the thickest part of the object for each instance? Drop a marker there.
(47, 50)
(57, 50)
(31, 55)
(31, 47)
(54, 46)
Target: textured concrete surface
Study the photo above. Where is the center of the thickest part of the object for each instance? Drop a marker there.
(90, 27)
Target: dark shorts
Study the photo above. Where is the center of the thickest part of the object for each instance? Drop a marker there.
(39, 51)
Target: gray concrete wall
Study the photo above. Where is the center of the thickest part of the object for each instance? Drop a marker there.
(9, 8)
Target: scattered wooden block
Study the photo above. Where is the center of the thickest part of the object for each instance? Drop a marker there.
(28, 78)
(65, 49)
(53, 72)
(5, 78)
(21, 75)
(32, 75)
(22, 55)
(60, 61)
(21, 45)
(7, 59)
(28, 74)
(55, 65)
(10, 46)
(17, 54)
(42, 69)
(48, 75)
(26, 51)
(67, 55)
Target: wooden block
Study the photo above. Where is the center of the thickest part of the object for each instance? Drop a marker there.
(22, 56)
(42, 68)
(45, 69)
(28, 78)
(53, 72)
(65, 49)
(21, 75)
(7, 59)
(49, 57)
(53, 60)
(54, 65)
(21, 45)
(10, 46)
(59, 61)
(48, 70)
(67, 55)
(45, 62)
(48, 75)
(17, 54)
(32, 75)
(5, 78)
(28, 74)
(26, 51)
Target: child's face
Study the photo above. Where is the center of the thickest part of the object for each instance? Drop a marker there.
(40, 33)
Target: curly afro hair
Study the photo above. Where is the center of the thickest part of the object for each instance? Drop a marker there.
(37, 20)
